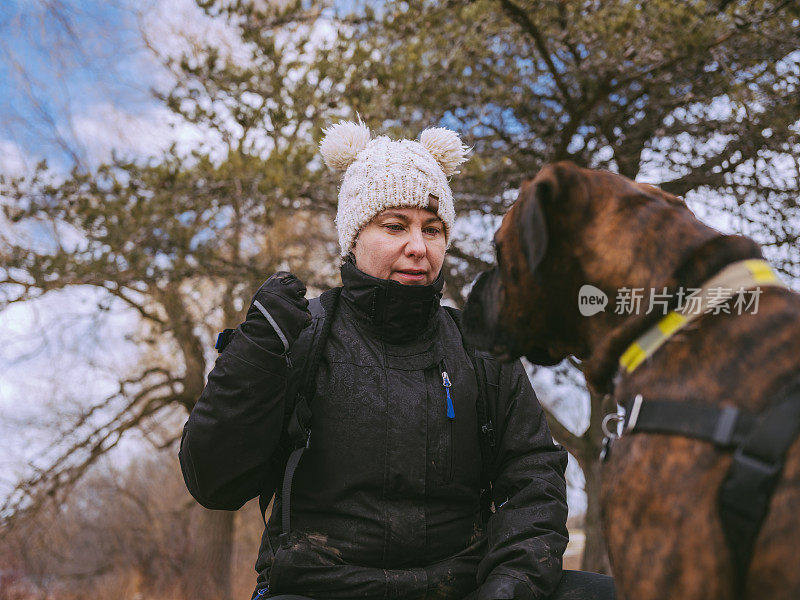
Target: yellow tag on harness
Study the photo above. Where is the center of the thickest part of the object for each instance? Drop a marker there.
(761, 271)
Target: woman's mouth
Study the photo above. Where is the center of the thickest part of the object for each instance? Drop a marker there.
(411, 275)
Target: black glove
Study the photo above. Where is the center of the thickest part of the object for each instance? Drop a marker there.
(282, 298)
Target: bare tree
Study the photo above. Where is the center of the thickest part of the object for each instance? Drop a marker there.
(123, 530)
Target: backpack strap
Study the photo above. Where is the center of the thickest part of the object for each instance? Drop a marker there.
(487, 372)
(302, 355)
(307, 359)
(298, 358)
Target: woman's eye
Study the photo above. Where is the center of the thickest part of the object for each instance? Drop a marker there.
(433, 231)
(394, 227)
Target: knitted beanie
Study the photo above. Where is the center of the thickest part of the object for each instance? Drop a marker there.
(382, 173)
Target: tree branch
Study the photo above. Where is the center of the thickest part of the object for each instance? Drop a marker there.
(30, 494)
(521, 17)
(563, 436)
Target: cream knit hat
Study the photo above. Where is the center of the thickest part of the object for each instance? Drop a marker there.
(384, 173)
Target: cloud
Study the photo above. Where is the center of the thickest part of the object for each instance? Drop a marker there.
(13, 159)
(172, 28)
(105, 128)
(61, 337)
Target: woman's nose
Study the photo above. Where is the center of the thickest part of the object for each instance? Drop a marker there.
(416, 244)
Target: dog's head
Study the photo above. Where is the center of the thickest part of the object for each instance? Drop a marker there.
(570, 227)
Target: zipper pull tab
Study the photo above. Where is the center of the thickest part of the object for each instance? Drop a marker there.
(451, 412)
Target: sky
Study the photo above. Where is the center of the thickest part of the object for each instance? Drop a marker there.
(59, 65)
(78, 79)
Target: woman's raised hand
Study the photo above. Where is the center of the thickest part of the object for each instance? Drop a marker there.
(281, 301)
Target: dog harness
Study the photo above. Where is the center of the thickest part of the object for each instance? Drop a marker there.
(759, 442)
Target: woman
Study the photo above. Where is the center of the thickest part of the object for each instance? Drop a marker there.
(385, 503)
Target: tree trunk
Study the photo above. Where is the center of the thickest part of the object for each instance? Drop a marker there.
(213, 548)
(595, 555)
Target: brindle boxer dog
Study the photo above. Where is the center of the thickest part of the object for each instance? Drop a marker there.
(572, 226)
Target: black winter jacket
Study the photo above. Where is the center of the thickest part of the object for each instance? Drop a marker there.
(385, 503)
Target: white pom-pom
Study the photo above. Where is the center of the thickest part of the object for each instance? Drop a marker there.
(342, 143)
(446, 147)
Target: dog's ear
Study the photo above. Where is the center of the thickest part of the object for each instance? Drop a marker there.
(531, 222)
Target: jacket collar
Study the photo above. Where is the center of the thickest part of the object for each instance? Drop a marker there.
(396, 313)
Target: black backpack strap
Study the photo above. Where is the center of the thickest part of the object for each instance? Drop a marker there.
(299, 359)
(299, 424)
(487, 372)
(223, 339)
(303, 356)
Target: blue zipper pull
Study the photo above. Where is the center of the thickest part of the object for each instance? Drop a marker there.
(451, 412)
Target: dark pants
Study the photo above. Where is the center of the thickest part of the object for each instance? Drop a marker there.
(574, 585)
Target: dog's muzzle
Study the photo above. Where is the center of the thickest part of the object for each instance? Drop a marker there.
(481, 312)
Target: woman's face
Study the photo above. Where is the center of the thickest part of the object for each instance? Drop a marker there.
(403, 244)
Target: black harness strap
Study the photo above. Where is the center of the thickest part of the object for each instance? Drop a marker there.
(725, 427)
(745, 494)
(759, 443)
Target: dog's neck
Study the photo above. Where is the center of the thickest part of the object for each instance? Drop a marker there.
(701, 261)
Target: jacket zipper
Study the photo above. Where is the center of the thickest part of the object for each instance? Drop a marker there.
(451, 415)
(451, 411)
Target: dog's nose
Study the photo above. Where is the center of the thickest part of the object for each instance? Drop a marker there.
(478, 316)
